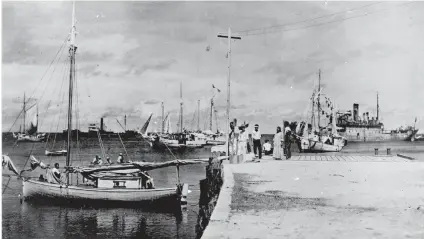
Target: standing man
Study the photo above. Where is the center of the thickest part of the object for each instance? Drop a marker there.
(256, 135)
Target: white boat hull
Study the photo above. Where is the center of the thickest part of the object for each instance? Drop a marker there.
(309, 145)
(37, 190)
(215, 142)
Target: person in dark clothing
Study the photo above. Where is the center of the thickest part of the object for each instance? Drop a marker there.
(287, 140)
(257, 146)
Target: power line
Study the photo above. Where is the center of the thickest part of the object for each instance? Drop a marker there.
(308, 20)
(324, 23)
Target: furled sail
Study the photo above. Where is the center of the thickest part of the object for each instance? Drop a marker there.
(33, 127)
(144, 129)
(6, 161)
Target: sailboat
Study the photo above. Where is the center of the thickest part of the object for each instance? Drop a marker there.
(125, 183)
(30, 135)
(314, 139)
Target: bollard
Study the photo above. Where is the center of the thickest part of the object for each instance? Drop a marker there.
(388, 151)
(376, 151)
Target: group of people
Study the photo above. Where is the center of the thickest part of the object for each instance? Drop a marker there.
(98, 160)
(240, 143)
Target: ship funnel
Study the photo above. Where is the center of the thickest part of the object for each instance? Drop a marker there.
(101, 124)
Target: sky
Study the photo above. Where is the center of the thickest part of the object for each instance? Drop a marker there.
(132, 56)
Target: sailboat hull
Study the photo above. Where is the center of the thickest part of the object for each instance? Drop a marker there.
(30, 138)
(33, 190)
(311, 146)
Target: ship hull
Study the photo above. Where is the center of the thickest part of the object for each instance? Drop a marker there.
(375, 135)
(35, 190)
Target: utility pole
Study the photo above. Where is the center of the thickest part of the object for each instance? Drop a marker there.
(229, 37)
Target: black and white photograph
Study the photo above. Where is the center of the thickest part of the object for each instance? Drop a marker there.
(212, 119)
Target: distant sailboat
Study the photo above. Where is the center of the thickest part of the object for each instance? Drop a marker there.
(31, 134)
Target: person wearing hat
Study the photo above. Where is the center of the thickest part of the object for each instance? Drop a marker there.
(257, 146)
(120, 158)
(97, 160)
(242, 141)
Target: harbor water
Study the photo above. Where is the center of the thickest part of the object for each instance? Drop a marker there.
(28, 220)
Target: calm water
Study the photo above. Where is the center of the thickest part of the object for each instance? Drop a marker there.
(42, 221)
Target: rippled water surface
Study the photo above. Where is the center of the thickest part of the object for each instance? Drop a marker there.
(28, 220)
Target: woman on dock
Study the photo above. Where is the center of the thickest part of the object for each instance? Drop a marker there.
(242, 141)
(278, 153)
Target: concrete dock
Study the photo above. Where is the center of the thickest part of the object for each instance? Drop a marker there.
(321, 197)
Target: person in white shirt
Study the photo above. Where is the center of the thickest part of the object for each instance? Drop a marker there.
(120, 158)
(256, 135)
(267, 148)
(242, 141)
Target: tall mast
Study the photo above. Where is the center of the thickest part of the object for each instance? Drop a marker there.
(378, 108)
(23, 131)
(72, 50)
(181, 107)
(318, 102)
(125, 123)
(162, 120)
(198, 114)
(210, 122)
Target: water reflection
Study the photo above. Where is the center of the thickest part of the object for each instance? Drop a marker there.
(42, 221)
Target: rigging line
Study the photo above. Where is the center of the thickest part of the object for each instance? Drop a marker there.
(324, 23)
(51, 77)
(308, 20)
(50, 101)
(60, 49)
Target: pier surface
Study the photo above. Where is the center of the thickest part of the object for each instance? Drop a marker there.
(321, 197)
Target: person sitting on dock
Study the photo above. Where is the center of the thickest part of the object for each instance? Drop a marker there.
(108, 160)
(267, 148)
(120, 158)
(97, 160)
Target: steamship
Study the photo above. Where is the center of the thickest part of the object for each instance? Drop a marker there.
(355, 128)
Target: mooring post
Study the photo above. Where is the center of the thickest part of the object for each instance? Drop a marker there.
(376, 151)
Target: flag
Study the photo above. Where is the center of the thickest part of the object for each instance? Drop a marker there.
(216, 88)
(6, 161)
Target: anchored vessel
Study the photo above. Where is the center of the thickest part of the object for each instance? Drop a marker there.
(356, 128)
(120, 183)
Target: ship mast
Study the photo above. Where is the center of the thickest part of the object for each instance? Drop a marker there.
(210, 122)
(23, 131)
(319, 104)
(378, 108)
(181, 107)
(72, 50)
(198, 115)
(162, 120)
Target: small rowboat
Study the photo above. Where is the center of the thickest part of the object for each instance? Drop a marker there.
(56, 153)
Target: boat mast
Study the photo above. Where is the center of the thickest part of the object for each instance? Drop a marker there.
(378, 108)
(162, 120)
(210, 122)
(72, 50)
(181, 106)
(198, 115)
(319, 104)
(23, 131)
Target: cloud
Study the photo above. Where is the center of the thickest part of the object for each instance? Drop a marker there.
(151, 102)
